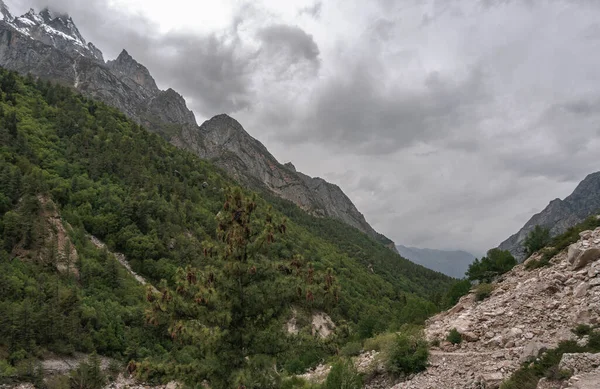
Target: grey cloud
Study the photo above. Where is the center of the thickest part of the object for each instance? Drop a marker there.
(291, 39)
(313, 10)
(444, 131)
(581, 107)
(361, 110)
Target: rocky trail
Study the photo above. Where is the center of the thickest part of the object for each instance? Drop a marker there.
(528, 311)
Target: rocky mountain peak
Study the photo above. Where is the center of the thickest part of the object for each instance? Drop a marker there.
(125, 57)
(54, 29)
(63, 23)
(171, 107)
(133, 72)
(225, 121)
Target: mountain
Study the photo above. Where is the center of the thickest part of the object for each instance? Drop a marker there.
(49, 45)
(560, 215)
(97, 214)
(451, 263)
(225, 142)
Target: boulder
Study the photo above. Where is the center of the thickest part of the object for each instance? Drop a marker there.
(581, 289)
(594, 270)
(493, 380)
(462, 324)
(470, 337)
(586, 257)
(573, 252)
(531, 351)
(579, 362)
(514, 332)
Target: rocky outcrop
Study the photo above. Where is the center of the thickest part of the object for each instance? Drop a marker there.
(134, 74)
(528, 311)
(560, 215)
(55, 247)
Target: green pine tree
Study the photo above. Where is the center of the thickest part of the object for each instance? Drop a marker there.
(229, 311)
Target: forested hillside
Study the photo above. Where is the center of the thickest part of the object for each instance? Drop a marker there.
(71, 168)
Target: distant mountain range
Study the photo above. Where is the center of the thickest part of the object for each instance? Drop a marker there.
(560, 215)
(451, 263)
(50, 46)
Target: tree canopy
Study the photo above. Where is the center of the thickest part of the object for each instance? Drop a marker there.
(537, 239)
(494, 264)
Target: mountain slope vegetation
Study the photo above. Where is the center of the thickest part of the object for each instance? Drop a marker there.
(71, 168)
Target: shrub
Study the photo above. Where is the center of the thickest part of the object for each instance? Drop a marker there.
(351, 349)
(537, 238)
(496, 263)
(582, 330)
(456, 291)
(6, 370)
(88, 374)
(408, 355)
(380, 342)
(435, 343)
(454, 336)
(594, 341)
(343, 375)
(539, 263)
(546, 365)
(370, 325)
(298, 383)
(58, 382)
(483, 291)
(306, 357)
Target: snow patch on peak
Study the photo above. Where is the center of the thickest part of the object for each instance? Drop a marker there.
(57, 30)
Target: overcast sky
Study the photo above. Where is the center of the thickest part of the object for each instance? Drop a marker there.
(447, 122)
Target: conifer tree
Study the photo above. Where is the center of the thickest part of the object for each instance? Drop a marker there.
(229, 310)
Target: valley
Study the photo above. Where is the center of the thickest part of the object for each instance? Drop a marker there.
(141, 249)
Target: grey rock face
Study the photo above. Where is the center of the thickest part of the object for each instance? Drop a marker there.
(560, 215)
(227, 144)
(170, 107)
(50, 46)
(133, 73)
